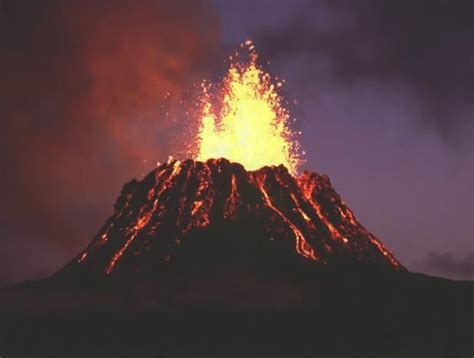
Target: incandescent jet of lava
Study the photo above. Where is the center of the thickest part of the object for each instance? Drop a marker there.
(251, 125)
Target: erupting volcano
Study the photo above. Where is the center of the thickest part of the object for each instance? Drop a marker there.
(250, 204)
(235, 252)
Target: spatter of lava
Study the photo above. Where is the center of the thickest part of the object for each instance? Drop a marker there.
(244, 119)
(192, 210)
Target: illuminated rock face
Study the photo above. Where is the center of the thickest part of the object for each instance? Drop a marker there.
(217, 212)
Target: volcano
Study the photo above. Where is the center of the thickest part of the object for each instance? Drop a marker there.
(236, 257)
(215, 211)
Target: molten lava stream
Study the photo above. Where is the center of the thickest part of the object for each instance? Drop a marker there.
(144, 217)
(302, 246)
(308, 194)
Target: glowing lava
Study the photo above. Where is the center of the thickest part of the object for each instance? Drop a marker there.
(251, 125)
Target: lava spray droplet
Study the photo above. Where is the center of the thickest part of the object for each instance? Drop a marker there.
(243, 119)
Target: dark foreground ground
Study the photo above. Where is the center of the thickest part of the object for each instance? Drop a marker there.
(240, 313)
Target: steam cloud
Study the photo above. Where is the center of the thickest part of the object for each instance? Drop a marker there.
(81, 91)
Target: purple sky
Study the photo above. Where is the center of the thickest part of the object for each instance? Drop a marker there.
(385, 107)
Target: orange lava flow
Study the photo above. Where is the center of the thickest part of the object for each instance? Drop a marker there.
(83, 257)
(384, 251)
(203, 201)
(231, 202)
(302, 246)
(307, 192)
(251, 125)
(143, 219)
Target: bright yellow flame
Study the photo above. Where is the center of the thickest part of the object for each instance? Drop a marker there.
(251, 126)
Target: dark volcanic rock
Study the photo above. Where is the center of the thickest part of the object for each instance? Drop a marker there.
(188, 213)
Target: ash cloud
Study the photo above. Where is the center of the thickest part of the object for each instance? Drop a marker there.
(80, 96)
(424, 44)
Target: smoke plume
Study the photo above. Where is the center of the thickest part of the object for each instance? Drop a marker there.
(82, 90)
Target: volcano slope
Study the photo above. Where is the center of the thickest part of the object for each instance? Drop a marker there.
(208, 259)
(221, 211)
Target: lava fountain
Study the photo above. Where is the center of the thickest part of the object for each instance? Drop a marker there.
(244, 119)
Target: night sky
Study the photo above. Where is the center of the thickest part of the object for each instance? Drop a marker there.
(94, 93)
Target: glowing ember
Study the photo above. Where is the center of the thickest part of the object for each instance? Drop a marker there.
(251, 125)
